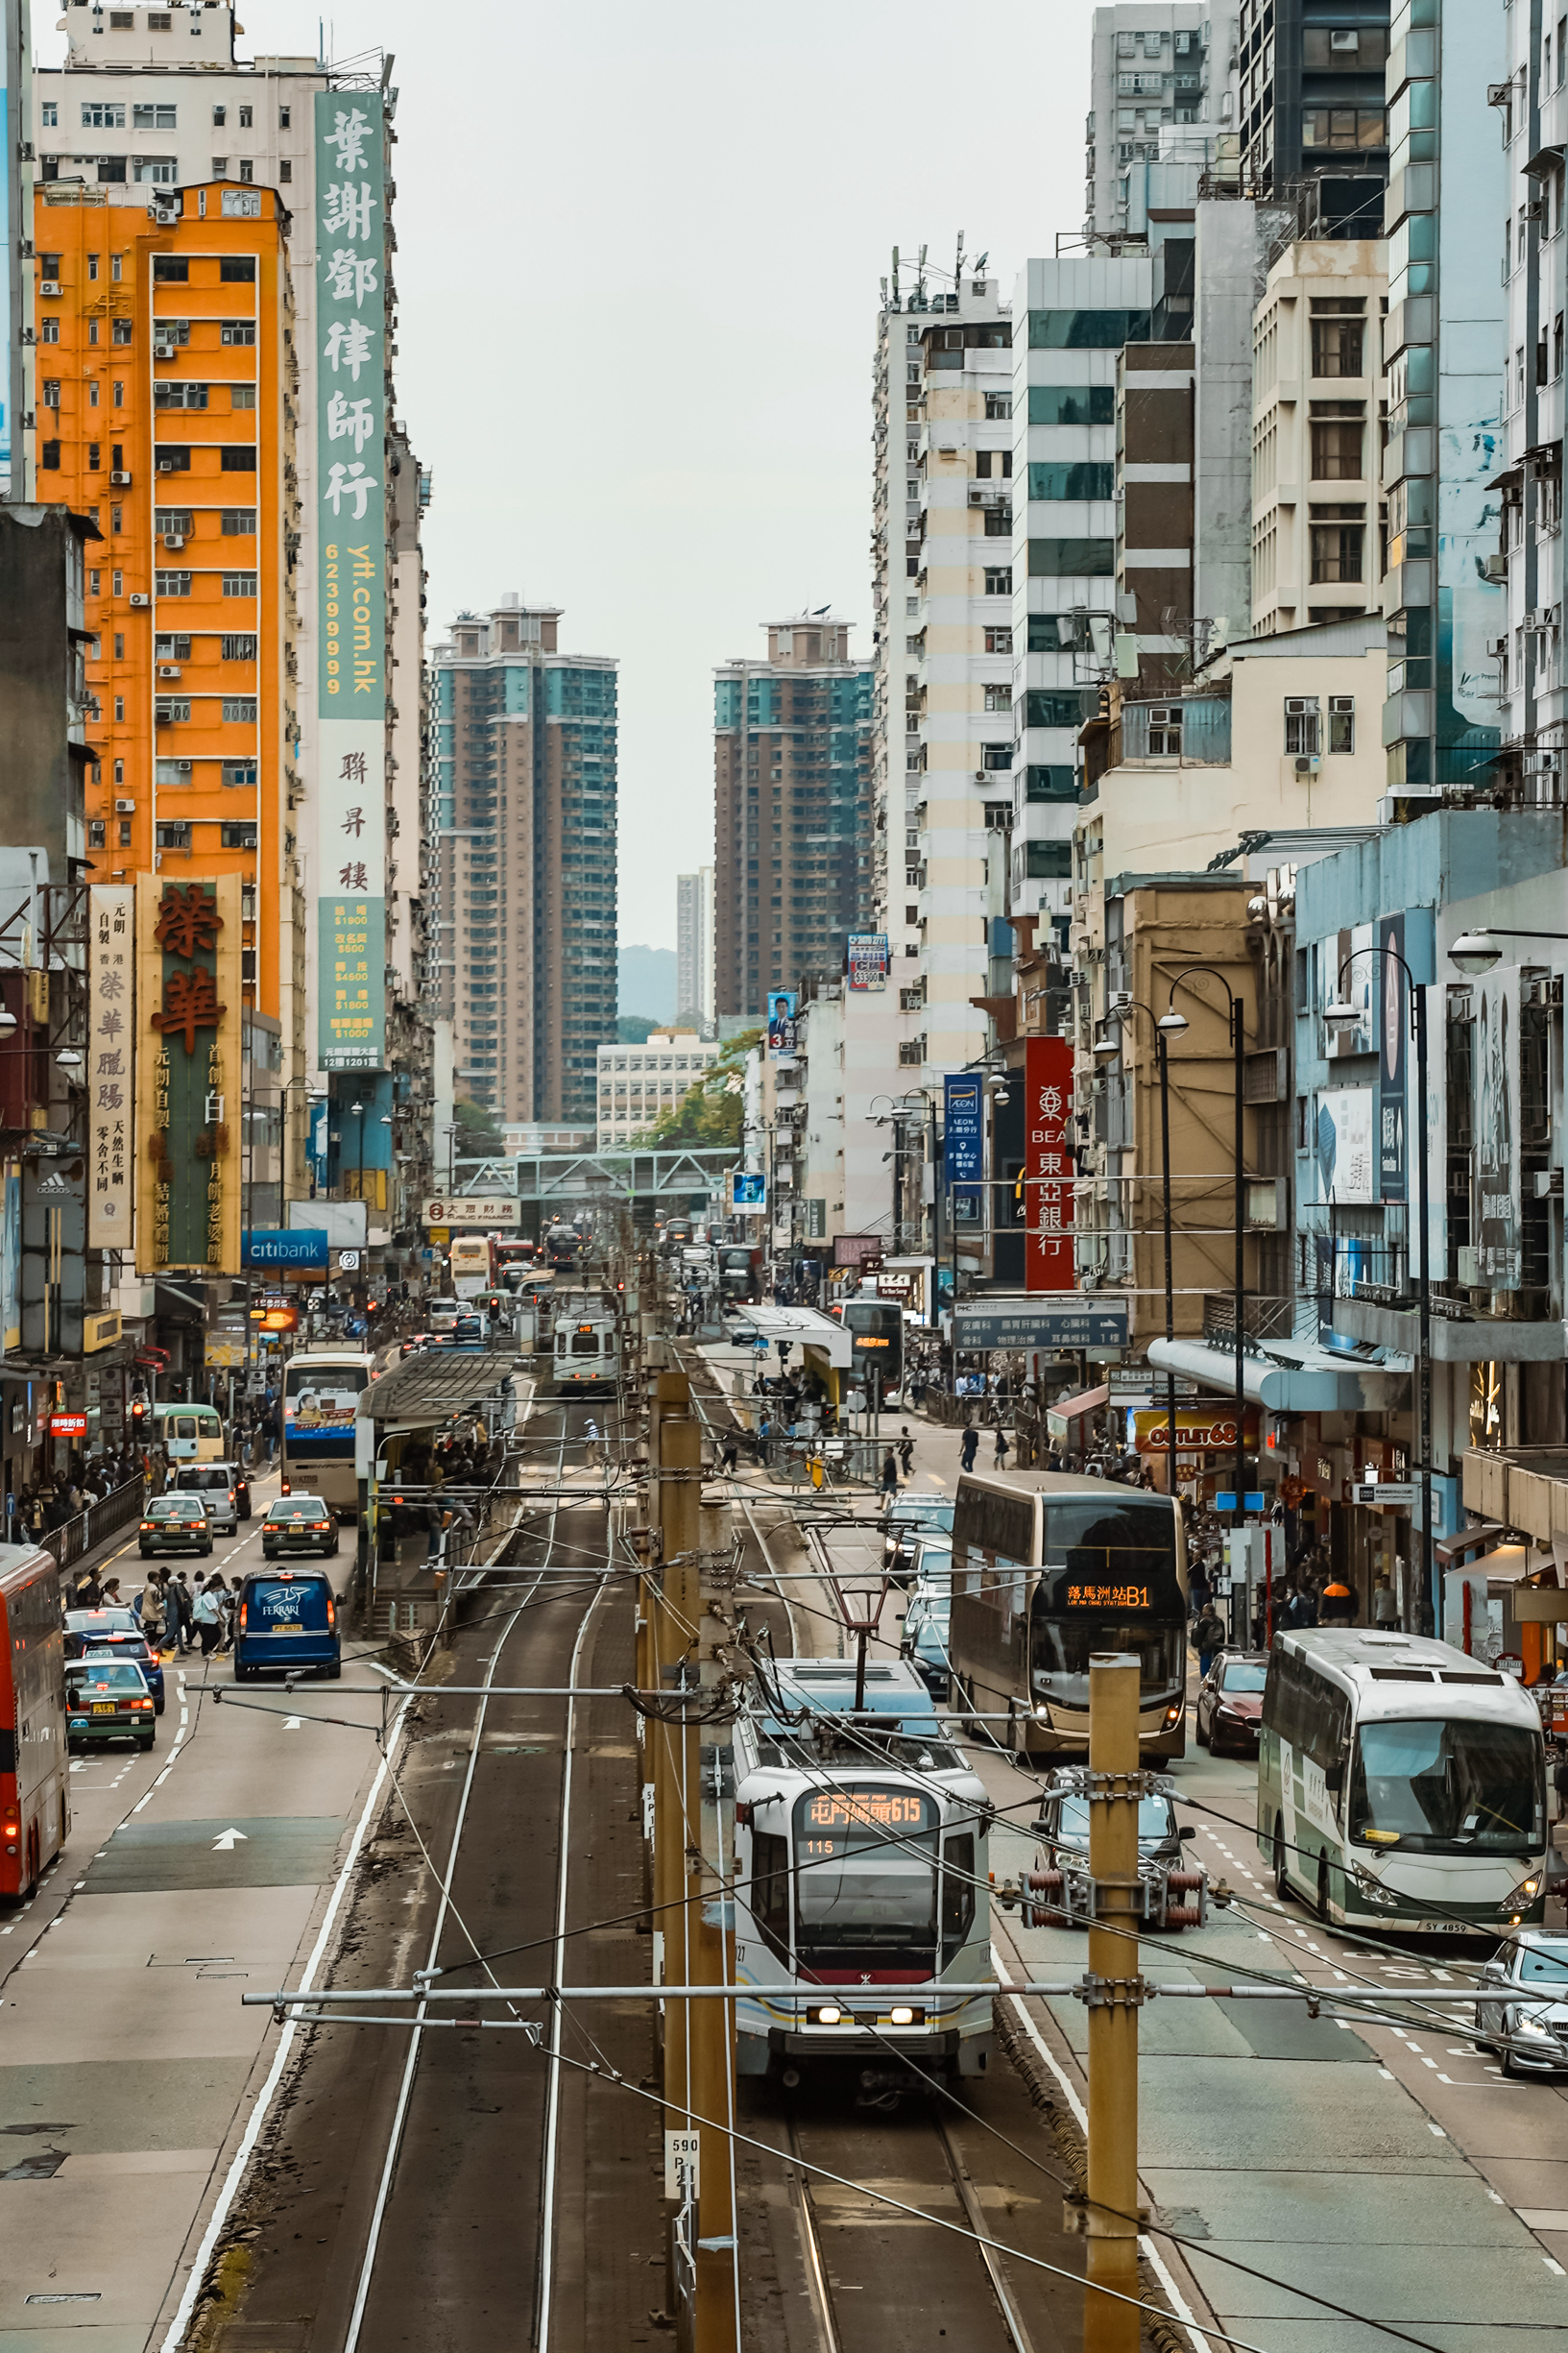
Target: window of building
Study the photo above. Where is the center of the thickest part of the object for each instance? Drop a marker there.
(239, 584)
(237, 458)
(51, 115)
(170, 270)
(1072, 404)
(998, 698)
(49, 328)
(95, 456)
(174, 834)
(240, 707)
(1048, 861)
(238, 646)
(172, 583)
(1342, 127)
(172, 647)
(999, 406)
(239, 772)
(1301, 726)
(97, 829)
(172, 457)
(172, 519)
(236, 331)
(246, 117)
(220, 167)
(1341, 722)
(999, 641)
(181, 395)
(238, 521)
(155, 171)
(1338, 342)
(285, 170)
(219, 115)
(235, 834)
(1339, 550)
(152, 119)
(51, 392)
(999, 579)
(246, 169)
(285, 116)
(1070, 559)
(102, 114)
(1336, 449)
(237, 269)
(111, 172)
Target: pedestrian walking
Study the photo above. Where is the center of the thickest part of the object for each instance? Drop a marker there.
(891, 1475)
(1208, 1636)
(1001, 1455)
(1338, 1607)
(969, 1446)
(1385, 1604)
(112, 1599)
(729, 1455)
(590, 1445)
(210, 1616)
(180, 1611)
(149, 1608)
(907, 1451)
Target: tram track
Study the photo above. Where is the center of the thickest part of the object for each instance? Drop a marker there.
(446, 2184)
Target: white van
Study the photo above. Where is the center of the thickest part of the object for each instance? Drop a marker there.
(443, 1312)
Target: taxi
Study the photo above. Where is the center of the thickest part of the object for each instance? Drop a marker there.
(298, 1523)
(114, 1633)
(175, 1523)
(107, 1699)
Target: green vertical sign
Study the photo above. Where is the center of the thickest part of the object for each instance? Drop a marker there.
(352, 595)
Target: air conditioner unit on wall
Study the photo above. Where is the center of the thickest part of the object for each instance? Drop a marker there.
(138, 599)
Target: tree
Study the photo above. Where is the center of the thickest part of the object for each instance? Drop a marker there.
(477, 1135)
(711, 1109)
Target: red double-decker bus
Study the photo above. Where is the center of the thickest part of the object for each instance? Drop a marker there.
(33, 1813)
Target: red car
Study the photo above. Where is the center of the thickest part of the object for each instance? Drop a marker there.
(1230, 1701)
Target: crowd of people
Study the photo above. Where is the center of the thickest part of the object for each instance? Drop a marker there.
(35, 1511)
(176, 1612)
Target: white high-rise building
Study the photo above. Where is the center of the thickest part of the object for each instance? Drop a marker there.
(1162, 87)
(694, 946)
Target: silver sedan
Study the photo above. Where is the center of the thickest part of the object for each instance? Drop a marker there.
(1522, 2003)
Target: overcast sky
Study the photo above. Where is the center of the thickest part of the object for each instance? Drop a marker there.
(637, 266)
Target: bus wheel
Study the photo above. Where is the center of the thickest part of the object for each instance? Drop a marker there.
(1323, 1888)
(1282, 1885)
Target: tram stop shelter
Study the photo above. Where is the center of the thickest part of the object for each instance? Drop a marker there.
(434, 1395)
(826, 1347)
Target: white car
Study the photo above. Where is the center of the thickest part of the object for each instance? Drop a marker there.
(1532, 2035)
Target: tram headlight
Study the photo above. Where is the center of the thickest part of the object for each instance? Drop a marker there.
(1042, 1713)
(829, 2015)
(904, 2016)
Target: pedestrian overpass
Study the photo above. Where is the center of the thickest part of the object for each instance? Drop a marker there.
(571, 1181)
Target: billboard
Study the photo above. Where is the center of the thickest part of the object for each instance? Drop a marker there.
(189, 1075)
(1432, 1140)
(868, 961)
(750, 1189)
(350, 237)
(1344, 1143)
(111, 1066)
(964, 1144)
(1048, 1164)
(781, 1021)
(1495, 1063)
(301, 1250)
(1352, 981)
(1394, 1052)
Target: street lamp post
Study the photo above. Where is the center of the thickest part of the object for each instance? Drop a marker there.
(1341, 1016)
(1174, 1022)
(1108, 1049)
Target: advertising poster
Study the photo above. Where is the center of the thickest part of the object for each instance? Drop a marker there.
(318, 1416)
(349, 239)
(111, 1066)
(868, 961)
(1394, 1050)
(1495, 1062)
(188, 1075)
(781, 1021)
(963, 1146)
(11, 1258)
(1049, 1166)
(1353, 981)
(1344, 1143)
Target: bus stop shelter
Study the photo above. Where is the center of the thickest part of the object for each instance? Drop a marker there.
(402, 1417)
(825, 1345)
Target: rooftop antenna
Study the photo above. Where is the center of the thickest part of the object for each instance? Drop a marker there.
(895, 277)
(979, 266)
(959, 259)
(920, 280)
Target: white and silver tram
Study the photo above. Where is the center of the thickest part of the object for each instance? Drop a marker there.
(861, 1881)
(587, 1354)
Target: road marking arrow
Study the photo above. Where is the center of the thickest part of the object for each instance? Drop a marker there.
(228, 1841)
(293, 1723)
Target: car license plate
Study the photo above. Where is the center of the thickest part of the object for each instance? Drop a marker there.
(103, 1707)
(292, 1627)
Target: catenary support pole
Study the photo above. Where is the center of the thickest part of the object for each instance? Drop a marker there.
(1112, 2224)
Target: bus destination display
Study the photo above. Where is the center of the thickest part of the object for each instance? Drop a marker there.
(1110, 1597)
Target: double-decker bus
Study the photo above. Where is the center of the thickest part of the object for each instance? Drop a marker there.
(34, 1811)
(320, 1399)
(875, 1330)
(1401, 1785)
(1046, 1573)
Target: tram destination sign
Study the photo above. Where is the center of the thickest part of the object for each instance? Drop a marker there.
(998, 1324)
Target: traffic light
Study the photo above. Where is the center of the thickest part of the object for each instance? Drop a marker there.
(138, 1413)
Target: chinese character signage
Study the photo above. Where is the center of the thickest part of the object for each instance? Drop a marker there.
(1393, 1034)
(1048, 1164)
(868, 961)
(111, 1082)
(1005, 1323)
(963, 1146)
(350, 326)
(188, 1075)
(781, 1021)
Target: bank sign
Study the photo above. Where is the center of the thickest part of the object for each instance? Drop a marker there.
(351, 405)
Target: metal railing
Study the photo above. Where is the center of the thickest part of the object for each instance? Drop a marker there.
(77, 1536)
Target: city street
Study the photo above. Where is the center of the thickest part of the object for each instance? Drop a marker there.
(130, 2075)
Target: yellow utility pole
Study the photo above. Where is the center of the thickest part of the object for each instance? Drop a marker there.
(1115, 1990)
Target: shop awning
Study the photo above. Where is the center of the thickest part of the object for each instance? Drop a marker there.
(802, 1328)
(1293, 1378)
(1074, 1409)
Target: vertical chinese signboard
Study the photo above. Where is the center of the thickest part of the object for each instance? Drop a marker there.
(188, 1075)
(1048, 1164)
(963, 1146)
(111, 1066)
(1393, 1030)
(351, 257)
(1495, 1063)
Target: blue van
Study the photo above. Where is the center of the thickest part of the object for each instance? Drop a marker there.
(289, 1622)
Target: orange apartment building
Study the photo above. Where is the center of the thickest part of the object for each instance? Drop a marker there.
(166, 410)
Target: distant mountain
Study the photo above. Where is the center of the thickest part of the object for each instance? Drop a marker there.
(647, 982)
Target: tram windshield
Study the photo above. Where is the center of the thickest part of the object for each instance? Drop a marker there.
(865, 1879)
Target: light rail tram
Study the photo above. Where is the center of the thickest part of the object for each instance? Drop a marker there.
(862, 1909)
(586, 1352)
